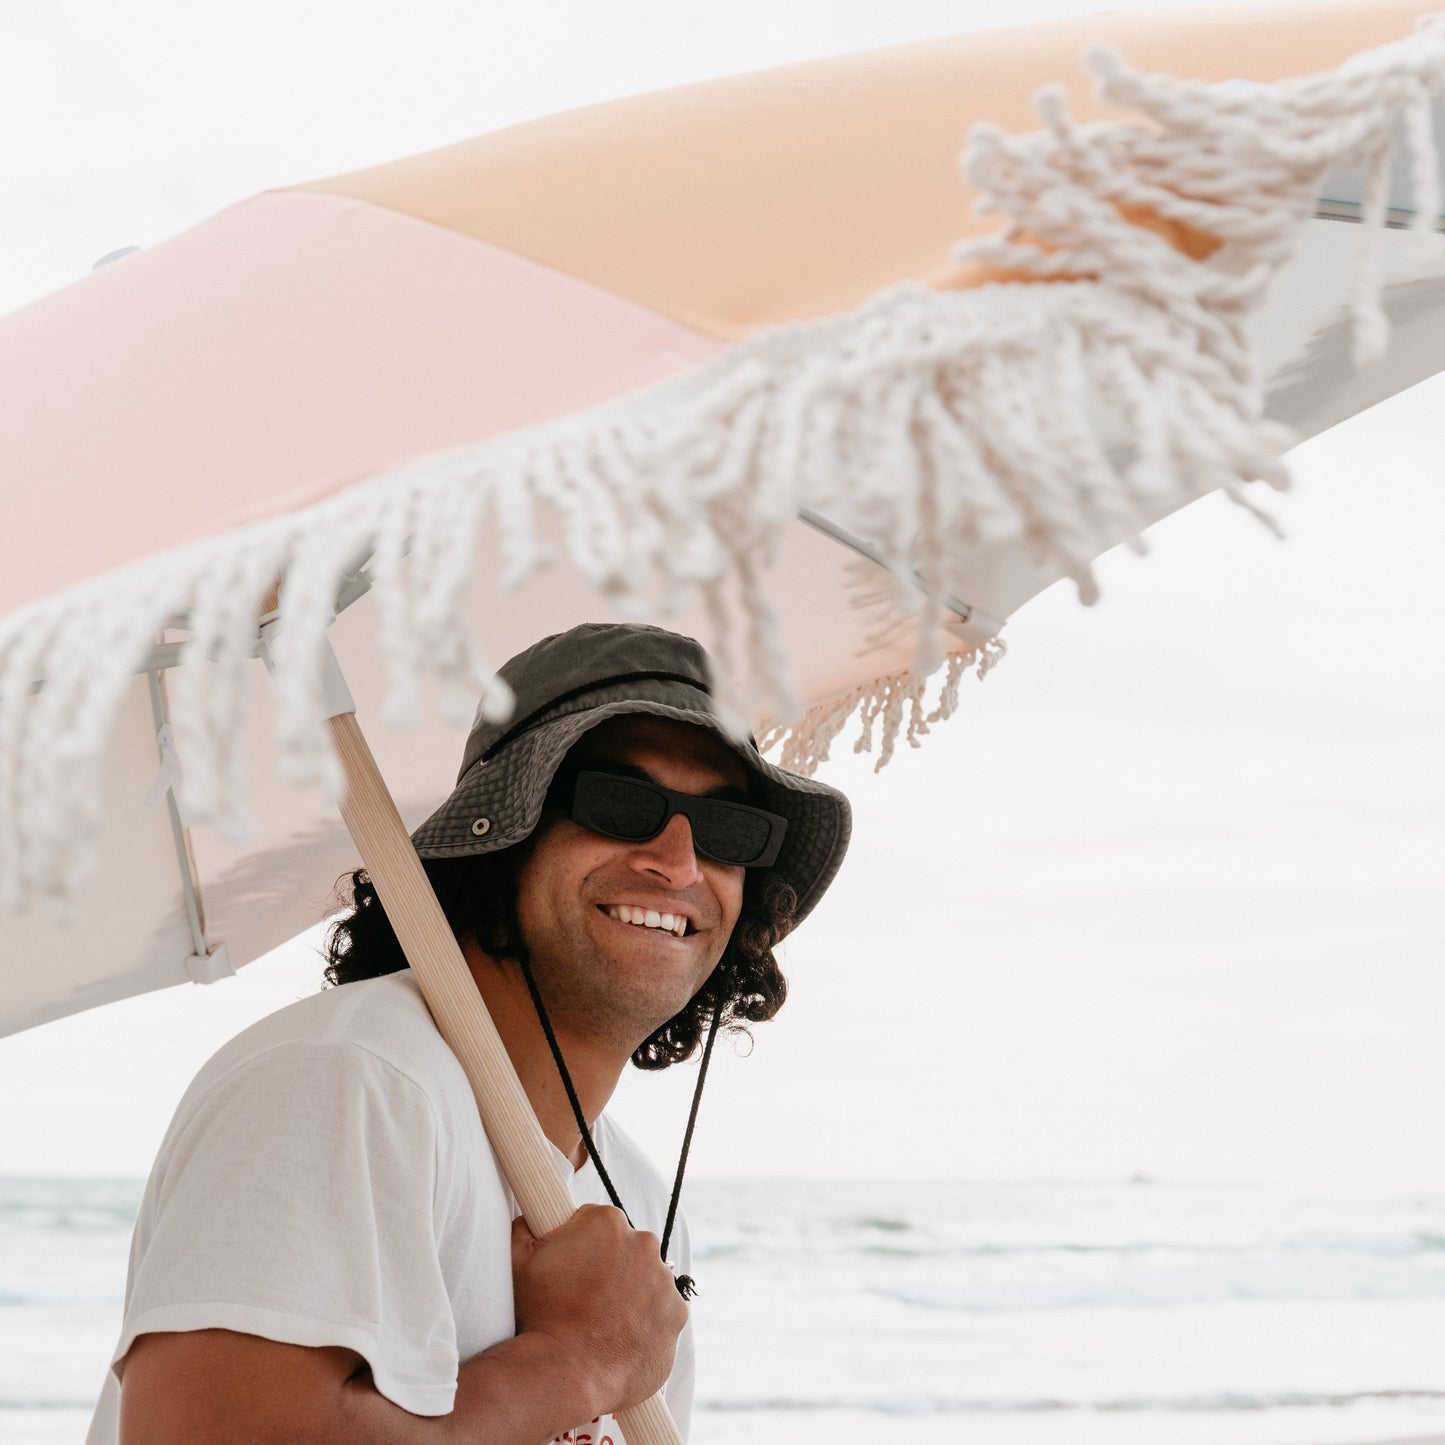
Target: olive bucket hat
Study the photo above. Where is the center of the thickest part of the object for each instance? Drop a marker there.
(569, 683)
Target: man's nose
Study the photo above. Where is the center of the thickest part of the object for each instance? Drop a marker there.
(671, 854)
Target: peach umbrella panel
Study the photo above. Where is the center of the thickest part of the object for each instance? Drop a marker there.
(735, 358)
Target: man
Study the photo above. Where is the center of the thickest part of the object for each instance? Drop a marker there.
(327, 1250)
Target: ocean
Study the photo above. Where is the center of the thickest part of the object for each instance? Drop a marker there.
(988, 1313)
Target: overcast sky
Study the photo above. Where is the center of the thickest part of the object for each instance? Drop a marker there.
(1163, 898)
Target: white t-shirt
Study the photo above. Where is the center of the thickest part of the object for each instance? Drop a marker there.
(326, 1181)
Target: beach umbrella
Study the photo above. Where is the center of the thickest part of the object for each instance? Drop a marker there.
(714, 357)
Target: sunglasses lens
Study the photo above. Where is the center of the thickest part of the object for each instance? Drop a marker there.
(620, 808)
(730, 835)
(635, 811)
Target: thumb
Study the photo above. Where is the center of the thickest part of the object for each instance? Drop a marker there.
(523, 1242)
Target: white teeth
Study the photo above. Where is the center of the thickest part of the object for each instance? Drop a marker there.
(674, 923)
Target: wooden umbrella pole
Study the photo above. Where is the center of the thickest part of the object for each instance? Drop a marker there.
(436, 959)
(447, 985)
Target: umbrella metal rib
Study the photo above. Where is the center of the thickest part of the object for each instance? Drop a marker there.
(185, 860)
(965, 612)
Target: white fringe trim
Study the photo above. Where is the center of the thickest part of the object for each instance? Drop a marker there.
(928, 423)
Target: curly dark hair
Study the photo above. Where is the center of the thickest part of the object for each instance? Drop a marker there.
(478, 895)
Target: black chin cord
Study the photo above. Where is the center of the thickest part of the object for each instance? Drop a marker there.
(686, 1286)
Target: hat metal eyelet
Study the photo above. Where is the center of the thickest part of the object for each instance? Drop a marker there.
(482, 827)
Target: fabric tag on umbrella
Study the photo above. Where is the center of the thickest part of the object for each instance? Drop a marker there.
(168, 775)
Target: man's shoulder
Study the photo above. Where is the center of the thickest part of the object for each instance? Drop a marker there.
(377, 1021)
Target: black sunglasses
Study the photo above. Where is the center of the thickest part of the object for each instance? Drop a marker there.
(633, 811)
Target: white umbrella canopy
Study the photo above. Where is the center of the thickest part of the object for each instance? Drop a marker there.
(163, 903)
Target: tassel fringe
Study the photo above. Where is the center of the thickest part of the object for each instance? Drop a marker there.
(893, 704)
(929, 423)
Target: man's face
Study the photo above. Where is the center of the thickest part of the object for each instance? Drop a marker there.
(595, 971)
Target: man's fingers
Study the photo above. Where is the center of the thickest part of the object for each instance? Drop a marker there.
(602, 1290)
(586, 1219)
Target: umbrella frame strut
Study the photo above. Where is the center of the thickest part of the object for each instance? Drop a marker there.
(184, 860)
(451, 994)
(207, 963)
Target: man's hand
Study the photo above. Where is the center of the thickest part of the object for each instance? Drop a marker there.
(601, 1291)
(598, 1318)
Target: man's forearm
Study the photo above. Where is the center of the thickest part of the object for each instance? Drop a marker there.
(224, 1387)
(521, 1391)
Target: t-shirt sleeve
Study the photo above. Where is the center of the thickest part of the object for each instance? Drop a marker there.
(296, 1199)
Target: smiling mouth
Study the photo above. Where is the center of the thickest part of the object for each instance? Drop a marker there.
(651, 919)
